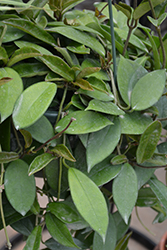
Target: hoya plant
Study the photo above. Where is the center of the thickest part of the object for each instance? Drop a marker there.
(82, 104)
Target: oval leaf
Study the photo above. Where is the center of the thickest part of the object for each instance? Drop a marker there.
(32, 103)
(134, 123)
(9, 91)
(64, 152)
(86, 122)
(102, 143)
(124, 195)
(34, 239)
(89, 201)
(63, 212)
(40, 162)
(19, 187)
(148, 90)
(148, 142)
(59, 231)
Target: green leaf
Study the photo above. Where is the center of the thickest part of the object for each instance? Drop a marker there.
(146, 198)
(22, 54)
(126, 9)
(58, 65)
(143, 174)
(78, 48)
(104, 107)
(119, 159)
(6, 157)
(121, 226)
(123, 194)
(12, 34)
(104, 172)
(102, 143)
(31, 69)
(122, 244)
(42, 50)
(89, 201)
(32, 29)
(64, 152)
(42, 131)
(34, 239)
(144, 7)
(157, 22)
(25, 225)
(87, 71)
(32, 103)
(160, 190)
(52, 245)
(148, 142)
(80, 37)
(83, 84)
(9, 91)
(148, 90)
(27, 137)
(40, 162)
(19, 187)
(59, 231)
(63, 212)
(3, 55)
(110, 240)
(134, 123)
(86, 122)
(129, 72)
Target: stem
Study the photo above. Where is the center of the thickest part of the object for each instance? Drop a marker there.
(60, 176)
(131, 27)
(142, 222)
(9, 245)
(158, 29)
(56, 136)
(141, 166)
(113, 40)
(61, 105)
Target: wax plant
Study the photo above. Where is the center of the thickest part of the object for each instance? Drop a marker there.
(80, 116)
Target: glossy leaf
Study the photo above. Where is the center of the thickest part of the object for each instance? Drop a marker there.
(126, 9)
(104, 107)
(104, 172)
(12, 34)
(160, 190)
(58, 65)
(144, 174)
(124, 195)
(53, 244)
(21, 44)
(80, 37)
(42, 131)
(27, 137)
(120, 224)
(129, 72)
(102, 143)
(78, 48)
(148, 90)
(134, 123)
(63, 212)
(9, 91)
(19, 187)
(3, 55)
(32, 103)
(146, 198)
(119, 159)
(34, 239)
(122, 244)
(32, 29)
(97, 94)
(59, 231)
(83, 84)
(144, 7)
(40, 162)
(110, 240)
(75, 100)
(25, 225)
(22, 54)
(63, 151)
(86, 122)
(87, 71)
(148, 142)
(157, 22)
(6, 157)
(89, 201)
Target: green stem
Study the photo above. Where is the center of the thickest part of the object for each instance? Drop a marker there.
(61, 104)
(158, 29)
(65, 164)
(9, 245)
(60, 176)
(131, 27)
